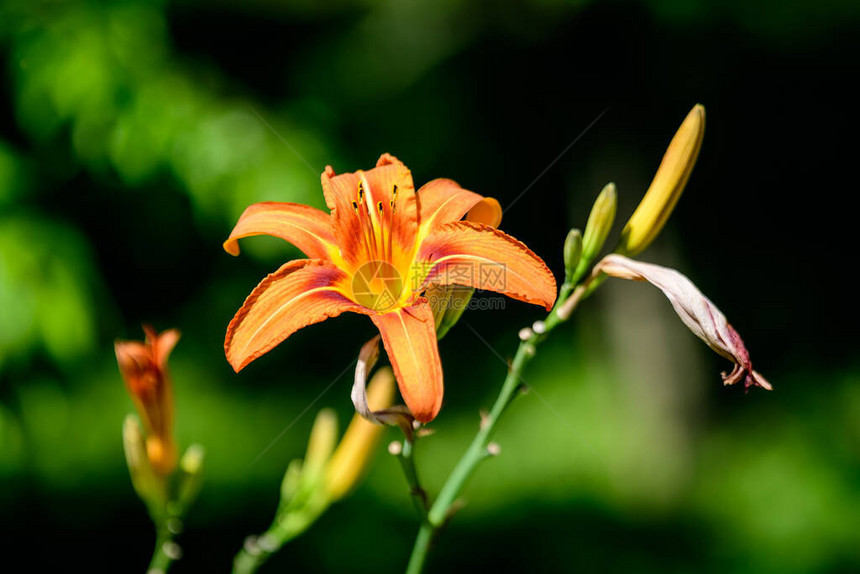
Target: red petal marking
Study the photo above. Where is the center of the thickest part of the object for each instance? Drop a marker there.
(300, 293)
(480, 256)
(370, 233)
(306, 227)
(409, 336)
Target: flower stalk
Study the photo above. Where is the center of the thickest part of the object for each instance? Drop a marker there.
(581, 279)
(166, 486)
(480, 448)
(328, 473)
(405, 454)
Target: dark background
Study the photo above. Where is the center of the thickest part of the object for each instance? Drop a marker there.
(133, 134)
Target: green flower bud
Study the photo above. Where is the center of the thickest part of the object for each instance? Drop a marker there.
(597, 229)
(572, 252)
(190, 475)
(292, 480)
(320, 448)
(150, 486)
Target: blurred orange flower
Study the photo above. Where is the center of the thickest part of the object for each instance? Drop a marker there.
(144, 368)
(380, 248)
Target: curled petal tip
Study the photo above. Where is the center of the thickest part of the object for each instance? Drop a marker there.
(387, 159)
(231, 247)
(487, 211)
(759, 381)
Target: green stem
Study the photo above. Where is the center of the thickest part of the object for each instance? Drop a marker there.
(418, 494)
(286, 526)
(440, 511)
(165, 553)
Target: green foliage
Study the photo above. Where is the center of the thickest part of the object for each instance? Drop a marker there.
(47, 290)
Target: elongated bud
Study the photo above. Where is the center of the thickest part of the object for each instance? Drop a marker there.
(291, 482)
(668, 184)
(572, 253)
(356, 448)
(597, 229)
(320, 447)
(599, 221)
(148, 485)
(190, 475)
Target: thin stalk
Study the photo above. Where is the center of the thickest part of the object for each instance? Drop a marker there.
(418, 494)
(165, 553)
(286, 526)
(569, 298)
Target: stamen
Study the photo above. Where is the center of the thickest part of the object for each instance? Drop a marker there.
(373, 225)
(369, 243)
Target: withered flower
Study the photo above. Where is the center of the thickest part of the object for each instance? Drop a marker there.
(696, 311)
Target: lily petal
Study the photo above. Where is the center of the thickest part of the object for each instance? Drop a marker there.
(385, 212)
(487, 211)
(162, 344)
(306, 227)
(300, 293)
(409, 336)
(442, 201)
(480, 256)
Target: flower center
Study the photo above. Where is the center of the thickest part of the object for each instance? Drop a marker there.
(377, 285)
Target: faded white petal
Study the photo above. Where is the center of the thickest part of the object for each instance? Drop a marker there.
(696, 311)
(396, 415)
(367, 358)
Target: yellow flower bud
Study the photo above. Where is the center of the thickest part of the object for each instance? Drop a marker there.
(668, 184)
(355, 450)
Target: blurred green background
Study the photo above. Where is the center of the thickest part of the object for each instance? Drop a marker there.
(133, 134)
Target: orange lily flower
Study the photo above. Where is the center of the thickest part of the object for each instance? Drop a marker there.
(144, 368)
(380, 248)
